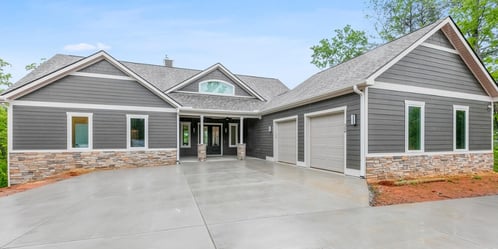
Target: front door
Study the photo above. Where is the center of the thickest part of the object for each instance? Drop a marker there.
(212, 139)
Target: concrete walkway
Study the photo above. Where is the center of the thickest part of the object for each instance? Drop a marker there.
(234, 204)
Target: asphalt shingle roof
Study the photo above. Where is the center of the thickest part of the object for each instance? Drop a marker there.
(349, 73)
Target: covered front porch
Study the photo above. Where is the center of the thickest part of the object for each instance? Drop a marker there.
(208, 136)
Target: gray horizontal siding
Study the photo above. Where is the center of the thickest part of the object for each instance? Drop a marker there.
(39, 128)
(103, 67)
(89, 90)
(433, 68)
(215, 75)
(386, 122)
(439, 39)
(260, 142)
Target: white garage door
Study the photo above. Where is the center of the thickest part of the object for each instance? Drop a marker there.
(327, 142)
(286, 141)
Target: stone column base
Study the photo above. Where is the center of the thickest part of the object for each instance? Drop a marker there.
(201, 152)
(241, 151)
(418, 166)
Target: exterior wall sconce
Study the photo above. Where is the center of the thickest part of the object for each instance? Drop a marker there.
(353, 119)
(269, 128)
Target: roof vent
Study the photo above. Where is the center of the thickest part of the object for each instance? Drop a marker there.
(168, 62)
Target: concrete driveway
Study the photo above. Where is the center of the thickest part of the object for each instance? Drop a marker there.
(234, 204)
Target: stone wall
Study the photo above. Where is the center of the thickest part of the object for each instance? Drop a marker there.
(416, 166)
(29, 166)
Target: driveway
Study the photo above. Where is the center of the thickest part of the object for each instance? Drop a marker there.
(234, 204)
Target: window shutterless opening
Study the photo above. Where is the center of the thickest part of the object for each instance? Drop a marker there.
(185, 135)
(79, 131)
(460, 128)
(137, 131)
(414, 126)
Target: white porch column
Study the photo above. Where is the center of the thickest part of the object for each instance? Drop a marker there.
(201, 131)
(241, 130)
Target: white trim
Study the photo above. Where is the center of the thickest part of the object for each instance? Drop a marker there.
(269, 158)
(69, 129)
(219, 94)
(467, 113)
(353, 172)
(301, 164)
(241, 136)
(471, 52)
(178, 136)
(363, 127)
(230, 135)
(429, 91)
(492, 126)
(200, 135)
(128, 135)
(408, 104)
(91, 106)
(407, 51)
(429, 153)
(225, 71)
(92, 59)
(10, 135)
(102, 76)
(235, 96)
(189, 134)
(275, 135)
(94, 150)
(365, 132)
(307, 132)
(220, 112)
(434, 46)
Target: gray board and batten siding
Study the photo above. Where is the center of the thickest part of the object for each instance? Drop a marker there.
(432, 68)
(91, 90)
(261, 143)
(42, 128)
(386, 122)
(215, 75)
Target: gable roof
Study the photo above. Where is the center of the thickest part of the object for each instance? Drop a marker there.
(26, 86)
(364, 69)
(225, 71)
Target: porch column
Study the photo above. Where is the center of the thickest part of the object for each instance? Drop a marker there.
(201, 148)
(241, 147)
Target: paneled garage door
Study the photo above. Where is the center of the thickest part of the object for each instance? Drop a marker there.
(327, 142)
(286, 138)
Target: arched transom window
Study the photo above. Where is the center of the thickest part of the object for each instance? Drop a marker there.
(216, 87)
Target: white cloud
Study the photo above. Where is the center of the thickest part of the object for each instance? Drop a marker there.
(86, 46)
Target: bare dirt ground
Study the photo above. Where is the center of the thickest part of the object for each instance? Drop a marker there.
(35, 184)
(430, 189)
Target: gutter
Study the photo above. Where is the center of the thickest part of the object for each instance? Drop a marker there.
(363, 129)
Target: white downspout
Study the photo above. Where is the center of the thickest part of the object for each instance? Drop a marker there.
(178, 136)
(362, 131)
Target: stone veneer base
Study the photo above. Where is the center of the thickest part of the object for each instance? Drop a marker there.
(29, 166)
(417, 166)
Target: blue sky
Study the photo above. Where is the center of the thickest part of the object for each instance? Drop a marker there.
(263, 38)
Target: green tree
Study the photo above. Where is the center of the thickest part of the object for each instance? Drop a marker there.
(346, 44)
(34, 65)
(395, 18)
(4, 82)
(4, 77)
(478, 21)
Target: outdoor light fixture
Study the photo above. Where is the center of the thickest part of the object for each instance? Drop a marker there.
(269, 128)
(353, 119)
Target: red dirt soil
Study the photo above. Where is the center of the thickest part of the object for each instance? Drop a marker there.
(387, 193)
(35, 184)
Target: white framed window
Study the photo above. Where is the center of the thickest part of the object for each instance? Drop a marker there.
(79, 131)
(233, 134)
(218, 87)
(185, 134)
(137, 131)
(460, 128)
(414, 126)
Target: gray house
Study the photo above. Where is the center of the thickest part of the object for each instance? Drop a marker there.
(420, 105)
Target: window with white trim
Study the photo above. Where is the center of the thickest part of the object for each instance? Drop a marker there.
(216, 87)
(233, 134)
(460, 128)
(414, 126)
(185, 134)
(137, 131)
(79, 130)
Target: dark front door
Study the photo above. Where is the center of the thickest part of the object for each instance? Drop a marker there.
(212, 138)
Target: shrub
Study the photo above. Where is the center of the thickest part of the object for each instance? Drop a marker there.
(3, 173)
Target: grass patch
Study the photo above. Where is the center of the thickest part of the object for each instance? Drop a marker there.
(3, 172)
